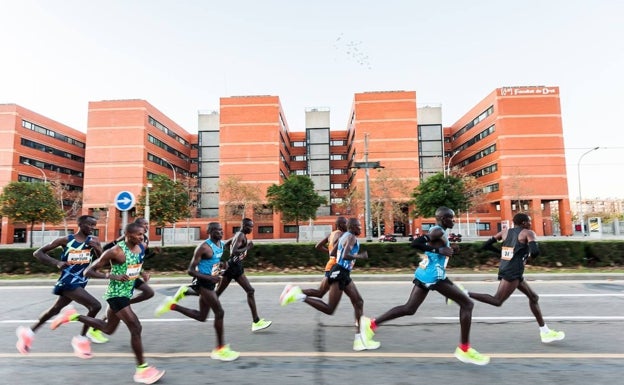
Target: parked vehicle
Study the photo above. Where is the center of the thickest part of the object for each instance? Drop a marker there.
(387, 238)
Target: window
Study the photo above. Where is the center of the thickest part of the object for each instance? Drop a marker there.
(299, 158)
(290, 229)
(298, 144)
(265, 229)
(338, 143)
(337, 171)
(483, 226)
(338, 157)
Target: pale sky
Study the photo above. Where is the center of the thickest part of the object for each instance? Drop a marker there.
(183, 55)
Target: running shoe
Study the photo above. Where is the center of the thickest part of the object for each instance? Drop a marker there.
(261, 324)
(148, 375)
(82, 347)
(551, 336)
(67, 315)
(25, 337)
(165, 306)
(96, 336)
(286, 290)
(224, 354)
(181, 293)
(366, 331)
(293, 294)
(471, 356)
(358, 344)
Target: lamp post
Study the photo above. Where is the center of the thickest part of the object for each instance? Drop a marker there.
(366, 165)
(45, 181)
(447, 169)
(578, 170)
(174, 191)
(147, 206)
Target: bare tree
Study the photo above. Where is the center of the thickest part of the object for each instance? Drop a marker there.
(239, 196)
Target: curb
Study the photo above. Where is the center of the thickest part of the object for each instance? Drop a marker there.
(356, 277)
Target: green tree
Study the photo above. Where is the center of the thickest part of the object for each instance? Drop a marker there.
(29, 203)
(439, 190)
(296, 199)
(169, 202)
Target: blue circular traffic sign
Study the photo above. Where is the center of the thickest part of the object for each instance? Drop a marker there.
(124, 200)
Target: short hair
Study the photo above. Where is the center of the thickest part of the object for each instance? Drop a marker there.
(213, 226)
(352, 222)
(134, 227)
(83, 218)
(443, 211)
(520, 218)
(340, 220)
(247, 220)
(141, 220)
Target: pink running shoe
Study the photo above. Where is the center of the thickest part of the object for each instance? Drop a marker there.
(67, 315)
(82, 347)
(25, 337)
(148, 375)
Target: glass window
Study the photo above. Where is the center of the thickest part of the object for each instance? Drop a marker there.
(290, 229)
(265, 229)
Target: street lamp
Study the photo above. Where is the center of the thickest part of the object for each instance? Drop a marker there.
(447, 169)
(366, 165)
(174, 191)
(147, 206)
(45, 181)
(578, 170)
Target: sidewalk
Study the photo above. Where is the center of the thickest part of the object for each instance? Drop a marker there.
(285, 278)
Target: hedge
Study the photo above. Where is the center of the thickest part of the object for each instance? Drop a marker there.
(282, 256)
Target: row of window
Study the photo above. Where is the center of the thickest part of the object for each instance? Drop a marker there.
(486, 151)
(474, 122)
(68, 187)
(485, 171)
(52, 133)
(167, 131)
(337, 142)
(51, 150)
(157, 142)
(480, 136)
(51, 167)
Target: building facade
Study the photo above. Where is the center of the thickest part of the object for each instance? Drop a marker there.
(511, 142)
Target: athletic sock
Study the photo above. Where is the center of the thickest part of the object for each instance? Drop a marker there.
(464, 347)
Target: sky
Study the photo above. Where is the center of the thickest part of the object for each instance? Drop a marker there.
(183, 55)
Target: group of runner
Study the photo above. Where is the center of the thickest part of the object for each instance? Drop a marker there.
(121, 262)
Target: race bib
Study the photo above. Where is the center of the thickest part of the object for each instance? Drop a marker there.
(79, 257)
(424, 262)
(134, 271)
(507, 253)
(216, 268)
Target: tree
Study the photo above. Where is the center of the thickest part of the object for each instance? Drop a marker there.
(440, 190)
(295, 199)
(169, 202)
(28, 203)
(239, 196)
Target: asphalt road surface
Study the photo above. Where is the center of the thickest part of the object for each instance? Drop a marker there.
(304, 346)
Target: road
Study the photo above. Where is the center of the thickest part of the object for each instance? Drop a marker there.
(304, 346)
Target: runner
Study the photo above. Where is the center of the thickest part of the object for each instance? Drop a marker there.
(205, 267)
(339, 281)
(78, 251)
(431, 275)
(519, 243)
(125, 261)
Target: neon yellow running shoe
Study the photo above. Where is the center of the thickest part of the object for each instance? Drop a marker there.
(96, 336)
(224, 354)
(471, 356)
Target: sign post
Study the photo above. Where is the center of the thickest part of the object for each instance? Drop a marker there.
(124, 201)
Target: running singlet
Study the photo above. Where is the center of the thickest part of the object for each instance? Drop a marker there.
(432, 268)
(211, 266)
(513, 255)
(78, 257)
(131, 267)
(330, 246)
(347, 263)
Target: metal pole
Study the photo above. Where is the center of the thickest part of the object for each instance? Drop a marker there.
(147, 206)
(175, 184)
(369, 224)
(578, 170)
(447, 169)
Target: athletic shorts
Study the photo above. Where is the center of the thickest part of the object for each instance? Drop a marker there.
(59, 288)
(234, 270)
(199, 283)
(341, 275)
(429, 286)
(118, 303)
